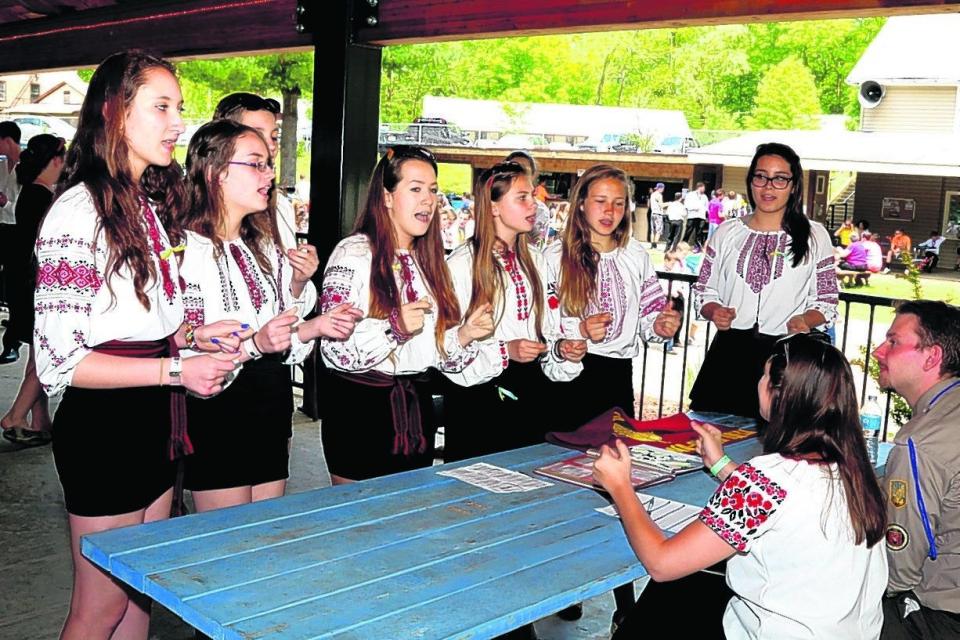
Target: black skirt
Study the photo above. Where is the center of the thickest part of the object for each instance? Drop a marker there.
(111, 449)
(727, 382)
(603, 384)
(358, 430)
(509, 412)
(241, 436)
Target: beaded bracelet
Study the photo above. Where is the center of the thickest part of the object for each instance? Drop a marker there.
(190, 338)
(398, 333)
(718, 466)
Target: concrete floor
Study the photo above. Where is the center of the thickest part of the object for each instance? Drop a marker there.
(35, 564)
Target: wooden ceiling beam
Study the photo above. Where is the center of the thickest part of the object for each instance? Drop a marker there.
(411, 21)
(172, 28)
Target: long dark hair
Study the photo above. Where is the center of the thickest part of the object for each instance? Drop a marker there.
(488, 276)
(578, 266)
(374, 222)
(208, 156)
(794, 222)
(813, 412)
(41, 149)
(98, 159)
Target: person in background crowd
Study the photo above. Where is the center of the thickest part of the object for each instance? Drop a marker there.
(715, 212)
(696, 204)
(900, 248)
(854, 257)
(731, 206)
(920, 360)
(37, 173)
(873, 251)
(931, 251)
(656, 214)
(9, 189)
(676, 215)
(844, 231)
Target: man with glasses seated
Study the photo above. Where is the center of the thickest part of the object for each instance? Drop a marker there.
(920, 360)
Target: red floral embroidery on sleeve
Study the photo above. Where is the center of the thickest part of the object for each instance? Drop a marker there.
(741, 505)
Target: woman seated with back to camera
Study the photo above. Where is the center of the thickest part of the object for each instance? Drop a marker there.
(799, 524)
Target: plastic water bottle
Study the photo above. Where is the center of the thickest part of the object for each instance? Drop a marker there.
(871, 418)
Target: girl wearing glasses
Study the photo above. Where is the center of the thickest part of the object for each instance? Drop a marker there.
(764, 275)
(37, 172)
(109, 325)
(380, 416)
(799, 526)
(500, 401)
(234, 269)
(263, 114)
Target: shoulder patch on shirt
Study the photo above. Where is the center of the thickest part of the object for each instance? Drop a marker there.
(897, 538)
(898, 493)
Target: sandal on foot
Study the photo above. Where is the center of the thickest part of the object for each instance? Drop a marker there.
(27, 437)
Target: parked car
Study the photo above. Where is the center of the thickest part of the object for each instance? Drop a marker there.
(31, 125)
(428, 131)
(602, 143)
(676, 144)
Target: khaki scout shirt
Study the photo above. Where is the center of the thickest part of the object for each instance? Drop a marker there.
(936, 436)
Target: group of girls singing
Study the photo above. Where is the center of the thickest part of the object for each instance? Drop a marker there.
(495, 319)
(148, 287)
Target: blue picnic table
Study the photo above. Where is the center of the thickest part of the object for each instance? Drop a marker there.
(412, 555)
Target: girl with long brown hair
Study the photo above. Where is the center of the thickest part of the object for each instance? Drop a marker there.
(608, 294)
(799, 525)
(109, 324)
(500, 402)
(233, 269)
(380, 418)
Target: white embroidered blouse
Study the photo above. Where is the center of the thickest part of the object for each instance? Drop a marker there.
(232, 286)
(797, 572)
(75, 309)
(628, 288)
(514, 317)
(373, 345)
(286, 222)
(753, 272)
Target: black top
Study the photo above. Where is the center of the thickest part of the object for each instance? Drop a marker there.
(32, 204)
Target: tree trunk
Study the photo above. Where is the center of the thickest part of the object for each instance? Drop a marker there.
(288, 139)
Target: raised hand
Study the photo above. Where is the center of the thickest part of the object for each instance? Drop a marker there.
(667, 323)
(723, 317)
(304, 261)
(274, 337)
(594, 327)
(223, 335)
(338, 323)
(522, 350)
(412, 315)
(477, 326)
(204, 375)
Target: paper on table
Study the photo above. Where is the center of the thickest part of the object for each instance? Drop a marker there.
(669, 515)
(495, 479)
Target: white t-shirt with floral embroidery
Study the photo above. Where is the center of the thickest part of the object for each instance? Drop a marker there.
(798, 572)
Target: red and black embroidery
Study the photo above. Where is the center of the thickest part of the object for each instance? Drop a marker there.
(741, 505)
(509, 262)
(156, 243)
(258, 296)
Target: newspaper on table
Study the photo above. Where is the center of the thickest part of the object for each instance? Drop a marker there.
(496, 479)
(669, 515)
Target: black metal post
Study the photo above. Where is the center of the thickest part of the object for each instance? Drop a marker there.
(346, 114)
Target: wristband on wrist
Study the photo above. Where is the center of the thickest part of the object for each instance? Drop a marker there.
(176, 368)
(556, 351)
(250, 346)
(718, 466)
(398, 333)
(190, 337)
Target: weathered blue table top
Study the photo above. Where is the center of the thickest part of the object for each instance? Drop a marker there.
(413, 555)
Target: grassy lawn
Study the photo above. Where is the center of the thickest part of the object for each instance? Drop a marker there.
(890, 286)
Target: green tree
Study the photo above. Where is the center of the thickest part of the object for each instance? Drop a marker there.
(287, 75)
(786, 98)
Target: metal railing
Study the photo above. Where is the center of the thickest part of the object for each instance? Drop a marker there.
(847, 335)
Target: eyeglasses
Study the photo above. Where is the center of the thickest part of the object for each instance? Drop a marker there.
(247, 101)
(262, 167)
(779, 182)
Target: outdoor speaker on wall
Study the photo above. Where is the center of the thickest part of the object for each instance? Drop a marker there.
(871, 93)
